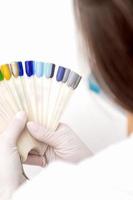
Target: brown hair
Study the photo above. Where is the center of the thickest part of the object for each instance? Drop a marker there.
(107, 30)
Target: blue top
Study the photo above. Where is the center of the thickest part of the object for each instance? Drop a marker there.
(93, 85)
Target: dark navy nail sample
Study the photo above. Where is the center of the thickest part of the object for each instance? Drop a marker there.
(20, 68)
(29, 68)
(52, 70)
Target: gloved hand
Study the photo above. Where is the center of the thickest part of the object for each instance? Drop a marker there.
(62, 144)
(11, 172)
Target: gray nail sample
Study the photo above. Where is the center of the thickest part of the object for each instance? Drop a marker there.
(73, 80)
(66, 75)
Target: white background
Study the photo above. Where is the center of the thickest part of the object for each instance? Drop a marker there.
(44, 30)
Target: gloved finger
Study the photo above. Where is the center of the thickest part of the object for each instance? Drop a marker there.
(38, 131)
(35, 160)
(50, 138)
(15, 128)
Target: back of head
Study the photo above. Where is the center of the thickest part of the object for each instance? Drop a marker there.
(107, 30)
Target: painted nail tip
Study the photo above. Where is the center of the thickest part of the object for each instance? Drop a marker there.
(73, 80)
(66, 75)
(14, 69)
(49, 70)
(39, 69)
(5, 70)
(20, 68)
(60, 73)
(29, 68)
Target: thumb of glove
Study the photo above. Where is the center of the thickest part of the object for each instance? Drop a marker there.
(40, 133)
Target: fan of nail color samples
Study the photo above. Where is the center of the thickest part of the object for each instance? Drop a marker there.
(41, 89)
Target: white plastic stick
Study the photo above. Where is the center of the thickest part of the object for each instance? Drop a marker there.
(61, 107)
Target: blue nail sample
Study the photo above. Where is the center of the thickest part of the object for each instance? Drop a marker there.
(20, 68)
(49, 70)
(38, 69)
(29, 67)
(60, 73)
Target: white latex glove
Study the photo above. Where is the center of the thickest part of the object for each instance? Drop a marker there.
(11, 172)
(62, 144)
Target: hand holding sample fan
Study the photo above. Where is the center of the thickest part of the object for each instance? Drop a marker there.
(39, 89)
